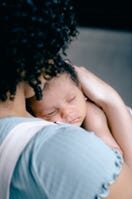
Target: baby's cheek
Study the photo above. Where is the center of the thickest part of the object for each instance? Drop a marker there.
(43, 117)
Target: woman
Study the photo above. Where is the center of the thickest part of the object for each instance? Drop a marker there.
(60, 161)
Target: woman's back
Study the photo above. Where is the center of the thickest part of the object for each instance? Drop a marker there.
(64, 156)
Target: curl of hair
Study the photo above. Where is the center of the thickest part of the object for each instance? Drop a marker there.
(68, 69)
(32, 32)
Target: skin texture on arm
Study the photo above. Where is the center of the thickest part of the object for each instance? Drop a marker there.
(96, 121)
(121, 125)
(109, 100)
(122, 188)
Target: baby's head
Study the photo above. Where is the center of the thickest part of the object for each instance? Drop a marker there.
(62, 100)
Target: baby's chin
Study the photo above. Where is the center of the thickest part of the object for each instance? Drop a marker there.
(78, 121)
(79, 124)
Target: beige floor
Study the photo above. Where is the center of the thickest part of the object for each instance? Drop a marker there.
(108, 54)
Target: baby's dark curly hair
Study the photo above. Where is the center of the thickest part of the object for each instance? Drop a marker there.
(68, 69)
(33, 36)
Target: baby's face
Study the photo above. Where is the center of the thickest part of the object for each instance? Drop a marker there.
(62, 101)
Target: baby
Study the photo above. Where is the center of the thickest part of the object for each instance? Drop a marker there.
(64, 101)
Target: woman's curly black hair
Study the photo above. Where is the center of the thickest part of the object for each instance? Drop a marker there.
(33, 36)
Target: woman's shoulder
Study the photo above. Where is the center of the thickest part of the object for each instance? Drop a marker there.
(70, 156)
(8, 123)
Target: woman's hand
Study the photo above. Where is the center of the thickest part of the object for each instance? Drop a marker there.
(93, 87)
(114, 108)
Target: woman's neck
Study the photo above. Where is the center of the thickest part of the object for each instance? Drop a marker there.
(17, 107)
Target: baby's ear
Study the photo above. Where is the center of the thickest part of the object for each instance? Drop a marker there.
(86, 99)
(80, 87)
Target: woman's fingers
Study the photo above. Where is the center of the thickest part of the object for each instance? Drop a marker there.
(92, 86)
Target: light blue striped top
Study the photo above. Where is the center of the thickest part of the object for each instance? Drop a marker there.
(62, 162)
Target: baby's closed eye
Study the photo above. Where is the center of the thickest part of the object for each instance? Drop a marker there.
(71, 99)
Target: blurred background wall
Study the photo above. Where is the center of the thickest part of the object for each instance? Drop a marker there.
(115, 14)
(104, 44)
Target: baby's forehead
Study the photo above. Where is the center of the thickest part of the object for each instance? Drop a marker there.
(63, 78)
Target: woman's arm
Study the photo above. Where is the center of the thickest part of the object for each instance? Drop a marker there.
(113, 106)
